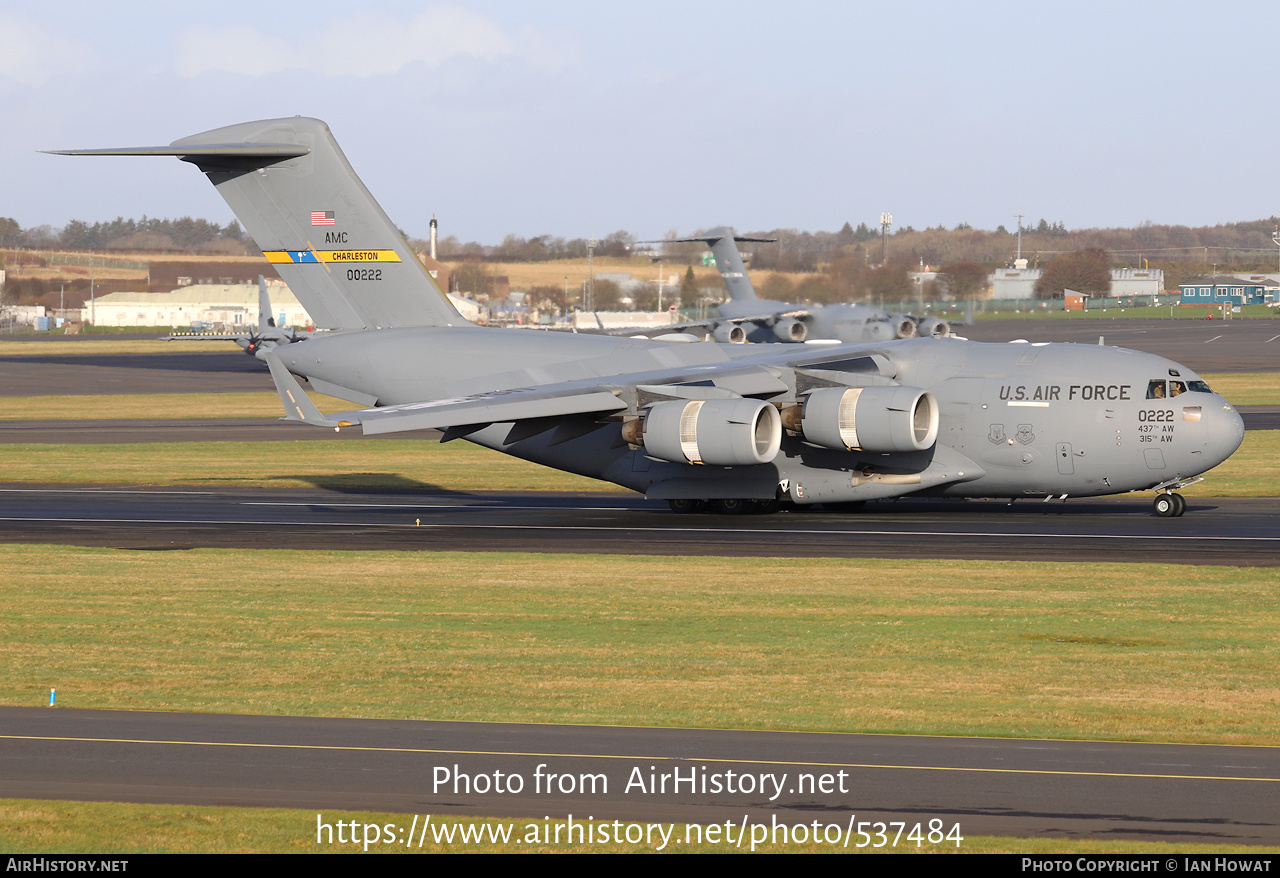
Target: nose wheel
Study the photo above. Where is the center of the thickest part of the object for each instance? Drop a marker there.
(1169, 505)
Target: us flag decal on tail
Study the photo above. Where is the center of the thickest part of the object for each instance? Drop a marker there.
(321, 217)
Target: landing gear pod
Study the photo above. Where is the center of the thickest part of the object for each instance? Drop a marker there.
(882, 419)
(719, 432)
(791, 329)
(729, 333)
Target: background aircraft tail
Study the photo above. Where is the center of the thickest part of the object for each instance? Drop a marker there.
(724, 246)
(266, 320)
(295, 193)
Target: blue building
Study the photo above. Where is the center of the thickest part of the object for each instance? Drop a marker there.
(1222, 288)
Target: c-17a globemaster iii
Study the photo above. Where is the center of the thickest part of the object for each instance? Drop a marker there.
(693, 423)
(747, 317)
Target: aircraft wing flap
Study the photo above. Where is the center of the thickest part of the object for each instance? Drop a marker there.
(514, 405)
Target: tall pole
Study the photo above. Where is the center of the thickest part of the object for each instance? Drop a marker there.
(886, 220)
(591, 274)
(1019, 216)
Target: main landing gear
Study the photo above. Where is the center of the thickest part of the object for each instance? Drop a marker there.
(1169, 505)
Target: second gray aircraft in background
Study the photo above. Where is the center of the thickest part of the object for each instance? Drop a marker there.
(747, 317)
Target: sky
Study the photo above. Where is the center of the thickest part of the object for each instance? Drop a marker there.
(581, 118)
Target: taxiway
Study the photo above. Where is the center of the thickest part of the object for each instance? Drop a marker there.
(1063, 789)
(1237, 532)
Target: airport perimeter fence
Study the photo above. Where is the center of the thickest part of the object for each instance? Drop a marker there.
(91, 259)
(1166, 305)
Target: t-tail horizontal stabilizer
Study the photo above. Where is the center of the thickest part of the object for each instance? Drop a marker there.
(294, 191)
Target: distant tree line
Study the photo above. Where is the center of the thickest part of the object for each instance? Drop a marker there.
(147, 234)
(845, 265)
(542, 248)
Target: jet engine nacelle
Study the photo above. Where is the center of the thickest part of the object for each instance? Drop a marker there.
(933, 326)
(729, 333)
(903, 326)
(719, 432)
(880, 419)
(791, 329)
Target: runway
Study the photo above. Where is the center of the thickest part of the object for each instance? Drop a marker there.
(216, 371)
(1020, 788)
(1235, 532)
(1203, 345)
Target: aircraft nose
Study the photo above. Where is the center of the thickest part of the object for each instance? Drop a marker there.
(1226, 430)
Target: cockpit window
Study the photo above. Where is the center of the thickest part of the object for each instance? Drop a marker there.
(1155, 390)
(1198, 387)
(1177, 388)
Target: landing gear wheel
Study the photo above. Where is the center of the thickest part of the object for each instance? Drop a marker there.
(729, 507)
(765, 507)
(683, 507)
(1165, 506)
(1180, 503)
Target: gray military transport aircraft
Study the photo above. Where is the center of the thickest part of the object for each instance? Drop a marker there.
(747, 317)
(255, 344)
(697, 424)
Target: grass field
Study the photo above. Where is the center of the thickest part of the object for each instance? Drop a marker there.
(371, 464)
(928, 647)
(155, 406)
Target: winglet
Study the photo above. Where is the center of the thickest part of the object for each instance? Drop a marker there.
(297, 405)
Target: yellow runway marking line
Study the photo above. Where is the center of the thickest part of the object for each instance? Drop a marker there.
(717, 760)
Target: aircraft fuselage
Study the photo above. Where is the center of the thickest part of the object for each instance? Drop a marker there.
(1014, 420)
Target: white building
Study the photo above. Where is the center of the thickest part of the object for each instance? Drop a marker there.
(1015, 283)
(227, 305)
(21, 315)
(1137, 281)
(1020, 283)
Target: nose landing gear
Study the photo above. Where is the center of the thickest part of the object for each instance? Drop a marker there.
(1169, 505)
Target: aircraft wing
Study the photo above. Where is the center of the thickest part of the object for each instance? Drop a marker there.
(518, 404)
(566, 399)
(205, 336)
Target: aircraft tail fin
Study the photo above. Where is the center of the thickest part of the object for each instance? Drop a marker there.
(294, 191)
(724, 246)
(266, 320)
